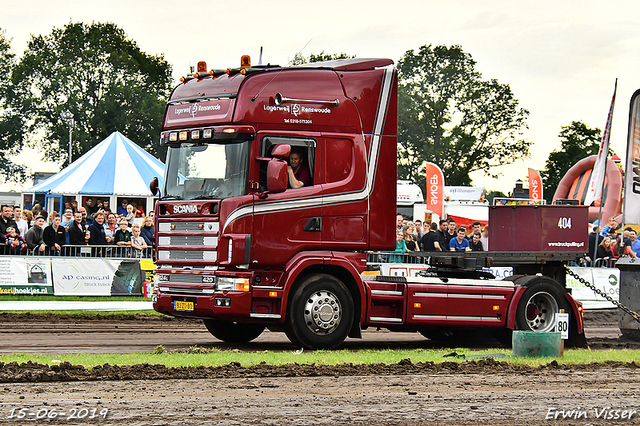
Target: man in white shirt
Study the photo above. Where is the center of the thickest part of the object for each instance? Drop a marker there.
(22, 224)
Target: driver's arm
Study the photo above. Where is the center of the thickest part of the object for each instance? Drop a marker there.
(293, 182)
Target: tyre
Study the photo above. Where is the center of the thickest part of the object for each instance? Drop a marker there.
(233, 332)
(320, 313)
(539, 304)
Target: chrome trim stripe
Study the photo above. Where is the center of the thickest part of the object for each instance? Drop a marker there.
(265, 287)
(264, 208)
(455, 317)
(428, 294)
(387, 292)
(265, 316)
(460, 282)
(384, 319)
(460, 295)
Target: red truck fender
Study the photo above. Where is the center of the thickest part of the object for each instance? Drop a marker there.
(519, 289)
(341, 266)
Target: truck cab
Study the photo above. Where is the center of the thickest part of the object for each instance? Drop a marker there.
(234, 239)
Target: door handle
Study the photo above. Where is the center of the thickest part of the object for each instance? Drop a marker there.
(314, 224)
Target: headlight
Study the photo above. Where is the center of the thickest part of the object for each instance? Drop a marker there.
(233, 284)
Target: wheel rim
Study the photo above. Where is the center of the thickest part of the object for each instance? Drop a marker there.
(322, 312)
(541, 311)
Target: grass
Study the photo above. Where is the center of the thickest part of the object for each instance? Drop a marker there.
(52, 298)
(216, 357)
(89, 312)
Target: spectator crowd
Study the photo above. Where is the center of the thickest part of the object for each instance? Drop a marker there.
(94, 224)
(445, 236)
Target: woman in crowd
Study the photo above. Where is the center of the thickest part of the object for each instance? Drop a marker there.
(28, 216)
(401, 247)
(147, 231)
(604, 250)
(409, 242)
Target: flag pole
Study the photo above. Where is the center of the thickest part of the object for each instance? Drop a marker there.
(601, 162)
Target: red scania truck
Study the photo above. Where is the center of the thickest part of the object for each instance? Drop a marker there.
(240, 249)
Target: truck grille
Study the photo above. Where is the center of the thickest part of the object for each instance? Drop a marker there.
(187, 240)
(172, 245)
(186, 255)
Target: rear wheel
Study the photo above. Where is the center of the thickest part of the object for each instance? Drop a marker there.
(320, 313)
(233, 332)
(538, 306)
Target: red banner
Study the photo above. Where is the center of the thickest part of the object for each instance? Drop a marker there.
(535, 185)
(435, 189)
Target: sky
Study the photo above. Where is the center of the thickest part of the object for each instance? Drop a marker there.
(560, 58)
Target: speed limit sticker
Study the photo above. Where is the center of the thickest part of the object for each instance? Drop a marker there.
(562, 325)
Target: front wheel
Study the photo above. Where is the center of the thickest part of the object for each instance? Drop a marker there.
(538, 306)
(320, 313)
(233, 332)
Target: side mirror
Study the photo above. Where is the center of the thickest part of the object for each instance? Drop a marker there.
(281, 150)
(277, 176)
(153, 186)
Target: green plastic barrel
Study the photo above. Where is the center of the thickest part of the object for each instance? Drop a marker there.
(535, 344)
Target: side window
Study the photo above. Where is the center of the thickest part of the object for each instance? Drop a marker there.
(339, 159)
(303, 156)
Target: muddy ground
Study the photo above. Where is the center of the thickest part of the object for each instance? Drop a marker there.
(406, 393)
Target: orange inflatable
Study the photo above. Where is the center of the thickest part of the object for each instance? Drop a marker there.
(573, 186)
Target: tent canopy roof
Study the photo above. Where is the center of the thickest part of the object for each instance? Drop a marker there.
(114, 166)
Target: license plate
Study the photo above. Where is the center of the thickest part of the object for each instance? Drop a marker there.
(180, 305)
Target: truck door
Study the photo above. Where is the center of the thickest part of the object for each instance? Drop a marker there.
(345, 206)
(289, 222)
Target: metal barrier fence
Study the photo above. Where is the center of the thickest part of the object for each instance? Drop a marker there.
(374, 258)
(113, 251)
(391, 257)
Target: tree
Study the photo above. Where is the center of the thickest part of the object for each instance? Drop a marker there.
(10, 120)
(102, 78)
(578, 141)
(449, 116)
(299, 59)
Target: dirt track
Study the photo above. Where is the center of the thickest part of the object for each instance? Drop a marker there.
(482, 392)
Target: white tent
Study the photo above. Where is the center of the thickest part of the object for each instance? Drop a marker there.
(116, 167)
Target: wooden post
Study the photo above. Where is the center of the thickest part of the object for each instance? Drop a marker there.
(561, 340)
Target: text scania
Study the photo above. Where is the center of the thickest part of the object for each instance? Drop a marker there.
(185, 208)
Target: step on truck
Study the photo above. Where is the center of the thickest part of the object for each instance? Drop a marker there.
(242, 248)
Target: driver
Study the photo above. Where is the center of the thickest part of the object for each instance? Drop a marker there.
(299, 174)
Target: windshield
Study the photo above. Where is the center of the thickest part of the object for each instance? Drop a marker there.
(198, 170)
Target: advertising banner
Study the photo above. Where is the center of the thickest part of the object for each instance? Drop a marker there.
(435, 189)
(21, 275)
(631, 208)
(412, 270)
(96, 277)
(535, 185)
(605, 279)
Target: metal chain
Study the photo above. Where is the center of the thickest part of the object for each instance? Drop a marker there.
(599, 292)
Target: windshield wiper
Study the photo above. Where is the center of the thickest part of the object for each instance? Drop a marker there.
(171, 197)
(202, 197)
